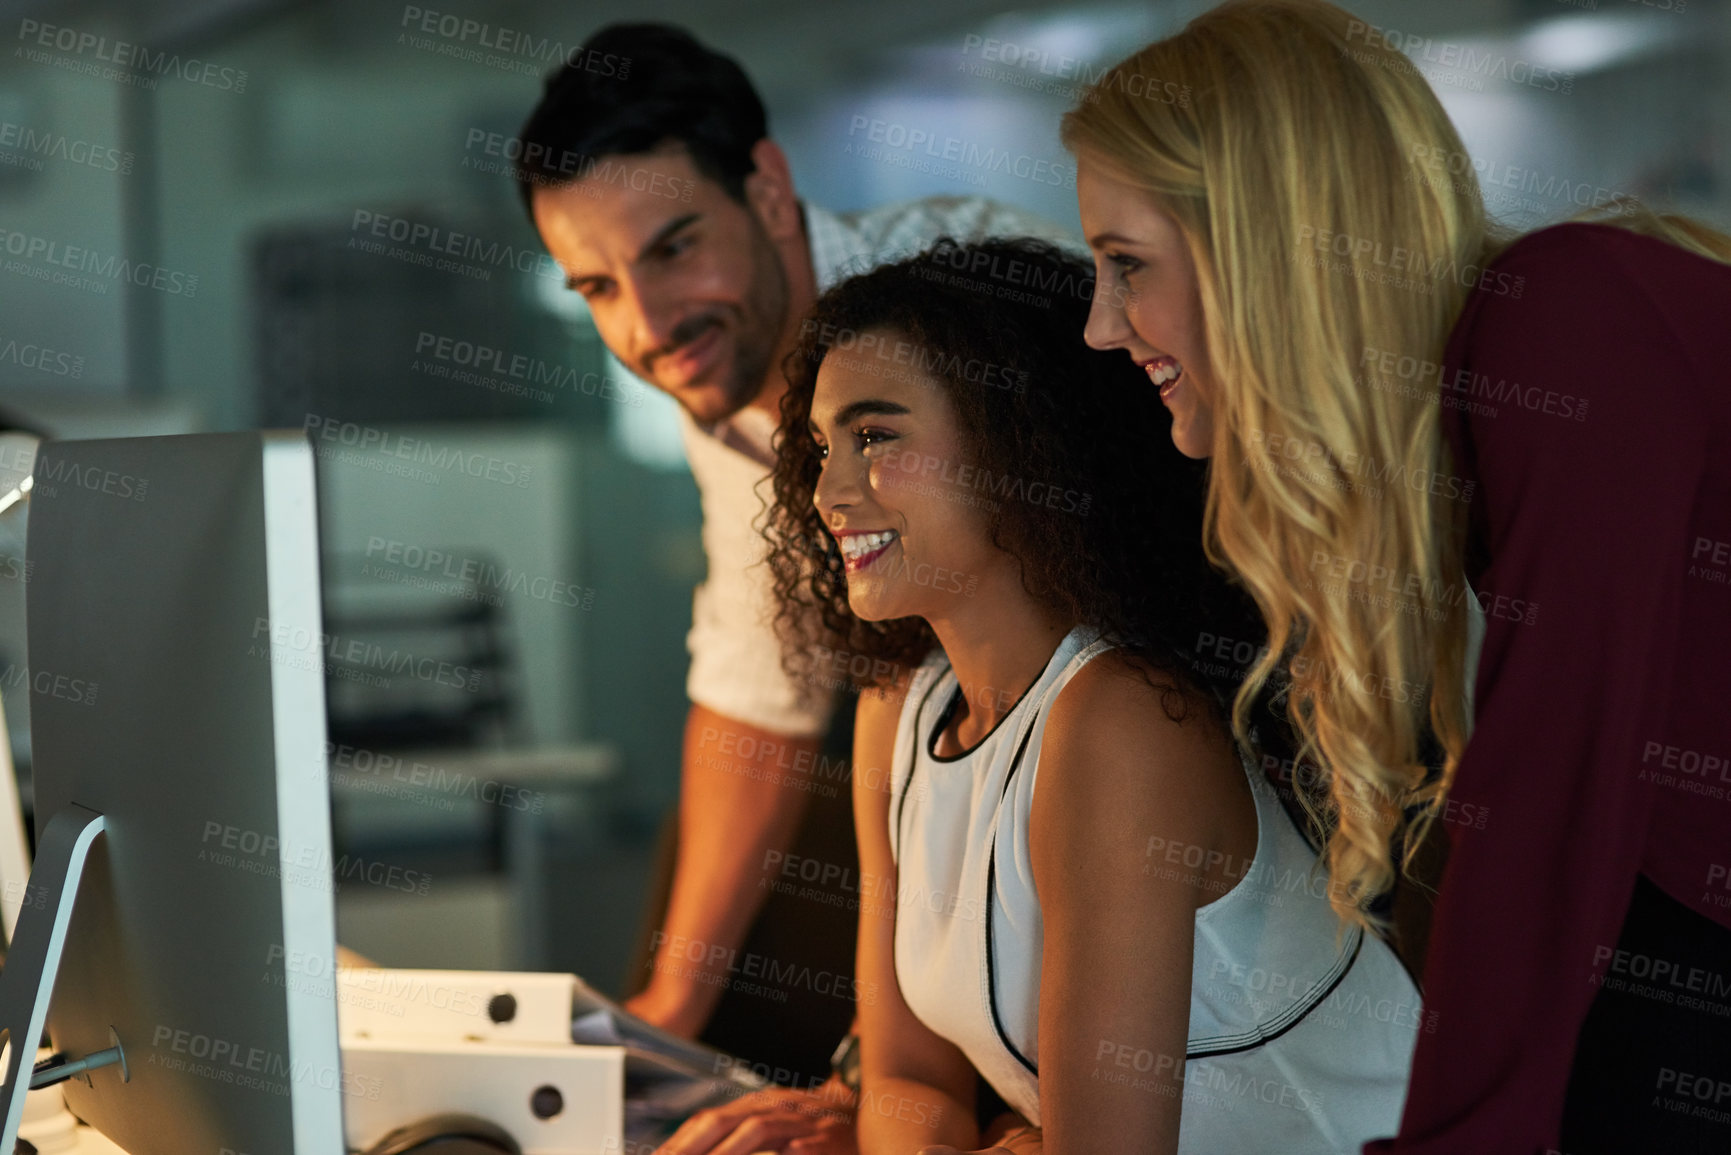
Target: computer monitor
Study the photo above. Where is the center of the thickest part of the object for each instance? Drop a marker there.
(177, 691)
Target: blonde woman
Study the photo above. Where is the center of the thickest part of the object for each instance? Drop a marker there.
(1290, 240)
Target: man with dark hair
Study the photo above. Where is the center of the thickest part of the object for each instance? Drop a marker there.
(649, 172)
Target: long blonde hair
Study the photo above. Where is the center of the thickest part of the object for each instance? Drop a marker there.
(1336, 236)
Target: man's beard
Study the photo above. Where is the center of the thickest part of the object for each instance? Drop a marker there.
(762, 316)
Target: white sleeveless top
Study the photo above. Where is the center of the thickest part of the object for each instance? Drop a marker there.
(1297, 1044)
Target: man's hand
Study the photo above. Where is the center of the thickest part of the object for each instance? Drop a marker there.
(1021, 1143)
(780, 1119)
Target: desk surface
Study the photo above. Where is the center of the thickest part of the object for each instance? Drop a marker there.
(85, 1141)
(93, 1142)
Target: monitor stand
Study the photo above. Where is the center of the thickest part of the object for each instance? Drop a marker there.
(27, 983)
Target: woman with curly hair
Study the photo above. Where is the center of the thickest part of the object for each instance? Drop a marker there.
(1140, 953)
(1398, 398)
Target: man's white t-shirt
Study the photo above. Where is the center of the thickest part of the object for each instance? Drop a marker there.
(735, 653)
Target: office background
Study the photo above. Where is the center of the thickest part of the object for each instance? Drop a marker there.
(263, 191)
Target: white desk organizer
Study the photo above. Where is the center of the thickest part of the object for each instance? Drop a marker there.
(487, 1043)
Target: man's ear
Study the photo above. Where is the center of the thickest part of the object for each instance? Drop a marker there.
(769, 192)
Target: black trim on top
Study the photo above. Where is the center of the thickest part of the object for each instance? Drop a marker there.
(913, 768)
(956, 699)
(1315, 1002)
(991, 879)
(1259, 1039)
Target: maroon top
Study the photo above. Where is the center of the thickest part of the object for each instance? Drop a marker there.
(1588, 394)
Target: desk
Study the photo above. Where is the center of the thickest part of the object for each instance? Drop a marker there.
(86, 1141)
(53, 1131)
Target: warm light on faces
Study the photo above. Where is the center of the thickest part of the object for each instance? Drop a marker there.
(1146, 300)
(889, 491)
(687, 290)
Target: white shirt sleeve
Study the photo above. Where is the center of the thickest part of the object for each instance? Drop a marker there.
(995, 219)
(735, 651)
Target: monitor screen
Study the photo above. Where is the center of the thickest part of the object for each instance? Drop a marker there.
(177, 689)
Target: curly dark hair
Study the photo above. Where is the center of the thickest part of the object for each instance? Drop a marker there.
(998, 323)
